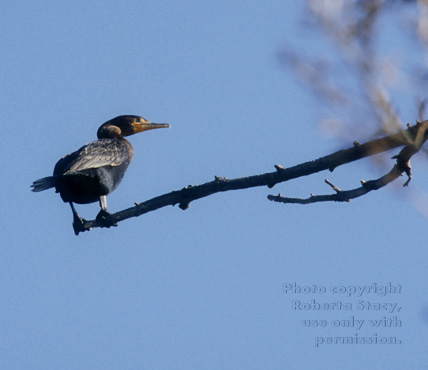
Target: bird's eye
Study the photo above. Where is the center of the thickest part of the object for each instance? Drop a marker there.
(138, 119)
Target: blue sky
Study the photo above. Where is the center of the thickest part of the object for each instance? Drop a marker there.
(201, 288)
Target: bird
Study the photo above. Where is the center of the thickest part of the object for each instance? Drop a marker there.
(96, 169)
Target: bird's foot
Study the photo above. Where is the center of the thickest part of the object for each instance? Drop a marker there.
(79, 224)
(105, 219)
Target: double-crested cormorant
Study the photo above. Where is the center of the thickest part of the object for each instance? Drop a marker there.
(96, 169)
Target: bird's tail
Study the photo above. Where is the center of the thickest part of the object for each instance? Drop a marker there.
(44, 183)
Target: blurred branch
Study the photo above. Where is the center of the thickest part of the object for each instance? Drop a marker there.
(364, 71)
(412, 139)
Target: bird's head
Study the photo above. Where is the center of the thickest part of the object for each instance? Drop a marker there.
(125, 126)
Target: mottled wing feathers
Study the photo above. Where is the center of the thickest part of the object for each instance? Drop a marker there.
(100, 153)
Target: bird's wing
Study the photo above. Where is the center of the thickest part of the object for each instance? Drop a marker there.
(100, 153)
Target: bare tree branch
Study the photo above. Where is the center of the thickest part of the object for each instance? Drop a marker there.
(341, 195)
(412, 139)
(402, 165)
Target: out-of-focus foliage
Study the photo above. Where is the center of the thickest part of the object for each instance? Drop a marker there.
(360, 66)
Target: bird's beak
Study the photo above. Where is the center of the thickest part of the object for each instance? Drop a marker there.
(144, 126)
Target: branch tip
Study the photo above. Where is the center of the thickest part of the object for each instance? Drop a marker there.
(334, 187)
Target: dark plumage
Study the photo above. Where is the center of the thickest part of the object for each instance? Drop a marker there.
(96, 169)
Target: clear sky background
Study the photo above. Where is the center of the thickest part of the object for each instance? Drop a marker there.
(201, 288)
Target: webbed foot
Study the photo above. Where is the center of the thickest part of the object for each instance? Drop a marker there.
(79, 224)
